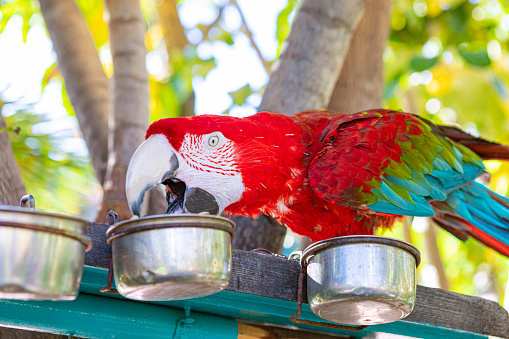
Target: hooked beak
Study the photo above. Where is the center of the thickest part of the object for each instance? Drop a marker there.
(156, 162)
(153, 162)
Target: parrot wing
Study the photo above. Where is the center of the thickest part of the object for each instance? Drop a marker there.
(389, 162)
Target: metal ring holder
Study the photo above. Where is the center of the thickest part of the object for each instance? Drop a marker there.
(27, 201)
(111, 219)
(299, 255)
(317, 247)
(295, 318)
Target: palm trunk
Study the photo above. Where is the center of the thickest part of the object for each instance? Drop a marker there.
(130, 117)
(85, 81)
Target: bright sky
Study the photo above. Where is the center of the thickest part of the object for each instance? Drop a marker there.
(22, 68)
(21, 72)
(237, 64)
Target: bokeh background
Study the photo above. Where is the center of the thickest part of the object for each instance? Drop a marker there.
(447, 60)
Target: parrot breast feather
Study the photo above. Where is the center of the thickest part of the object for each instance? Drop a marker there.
(389, 162)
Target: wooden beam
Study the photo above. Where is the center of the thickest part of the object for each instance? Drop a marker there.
(256, 331)
(275, 277)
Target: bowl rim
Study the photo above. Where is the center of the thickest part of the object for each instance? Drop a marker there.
(319, 246)
(36, 225)
(155, 222)
(14, 209)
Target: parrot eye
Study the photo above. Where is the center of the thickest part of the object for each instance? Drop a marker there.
(213, 140)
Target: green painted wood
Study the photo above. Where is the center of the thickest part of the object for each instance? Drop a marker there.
(251, 307)
(277, 278)
(92, 316)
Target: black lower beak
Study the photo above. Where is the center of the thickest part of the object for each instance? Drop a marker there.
(175, 193)
(181, 199)
(198, 200)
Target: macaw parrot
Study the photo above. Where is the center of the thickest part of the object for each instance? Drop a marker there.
(324, 174)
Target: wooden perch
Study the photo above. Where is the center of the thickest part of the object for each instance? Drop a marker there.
(276, 278)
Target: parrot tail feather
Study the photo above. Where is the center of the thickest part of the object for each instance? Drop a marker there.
(484, 148)
(474, 210)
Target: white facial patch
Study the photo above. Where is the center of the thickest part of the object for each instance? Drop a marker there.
(207, 162)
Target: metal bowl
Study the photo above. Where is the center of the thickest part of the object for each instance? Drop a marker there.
(171, 257)
(41, 254)
(361, 280)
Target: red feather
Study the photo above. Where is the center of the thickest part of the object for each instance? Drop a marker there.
(286, 172)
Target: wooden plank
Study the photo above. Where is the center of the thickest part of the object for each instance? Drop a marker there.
(99, 255)
(275, 277)
(256, 331)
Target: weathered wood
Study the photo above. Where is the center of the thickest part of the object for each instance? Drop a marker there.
(276, 277)
(252, 233)
(255, 331)
(99, 255)
(15, 333)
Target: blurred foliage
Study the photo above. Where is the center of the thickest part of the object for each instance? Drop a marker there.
(61, 181)
(447, 60)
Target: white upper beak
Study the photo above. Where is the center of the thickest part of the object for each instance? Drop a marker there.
(152, 163)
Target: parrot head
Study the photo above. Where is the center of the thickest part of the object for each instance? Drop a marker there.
(208, 163)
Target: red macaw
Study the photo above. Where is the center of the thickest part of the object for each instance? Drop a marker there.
(323, 174)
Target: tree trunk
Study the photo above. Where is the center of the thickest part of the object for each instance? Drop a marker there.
(11, 185)
(85, 81)
(303, 78)
(130, 117)
(174, 37)
(305, 74)
(434, 255)
(360, 85)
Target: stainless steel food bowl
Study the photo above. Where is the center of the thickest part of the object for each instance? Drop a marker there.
(41, 254)
(171, 257)
(361, 280)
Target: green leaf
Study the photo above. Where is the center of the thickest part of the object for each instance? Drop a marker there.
(49, 74)
(67, 102)
(239, 96)
(203, 67)
(420, 64)
(219, 34)
(24, 29)
(11, 129)
(478, 57)
(283, 24)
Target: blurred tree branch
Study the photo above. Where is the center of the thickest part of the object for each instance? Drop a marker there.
(130, 117)
(174, 37)
(247, 31)
(434, 255)
(85, 80)
(11, 185)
